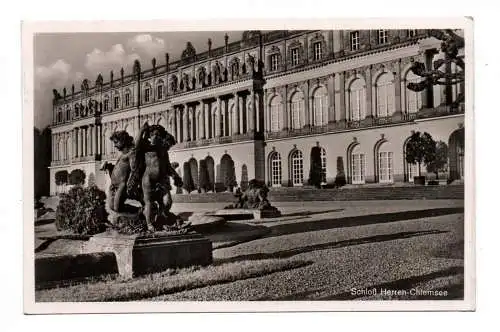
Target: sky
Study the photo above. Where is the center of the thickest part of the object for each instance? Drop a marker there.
(63, 59)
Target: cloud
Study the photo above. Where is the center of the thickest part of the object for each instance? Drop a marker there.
(116, 57)
(147, 44)
(55, 76)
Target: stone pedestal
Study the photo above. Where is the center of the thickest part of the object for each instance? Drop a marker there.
(136, 255)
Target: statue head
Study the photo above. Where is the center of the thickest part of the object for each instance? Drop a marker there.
(122, 140)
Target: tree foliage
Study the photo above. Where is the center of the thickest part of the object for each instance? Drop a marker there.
(61, 177)
(439, 160)
(77, 177)
(340, 179)
(421, 148)
(316, 170)
(203, 177)
(82, 211)
(187, 179)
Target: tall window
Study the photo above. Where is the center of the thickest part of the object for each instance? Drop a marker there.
(159, 91)
(68, 114)
(276, 110)
(358, 166)
(412, 171)
(298, 111)
(295, 56)
(382, 37)
(275, 169)
(413, 98)
(274, 62)
(412, 32)
(323, 166)
(318, 52)
(297, 163)
(117, 102)
(354, 40)
(385, 96)
(59, 116)
(106, 105)
(147, 95)
(320, 107)
(127, 99)
(357, 100)
(385, 166)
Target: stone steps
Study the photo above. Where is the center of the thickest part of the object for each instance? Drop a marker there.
(350, 194)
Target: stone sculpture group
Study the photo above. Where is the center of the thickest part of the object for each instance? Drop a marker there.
(142, 173)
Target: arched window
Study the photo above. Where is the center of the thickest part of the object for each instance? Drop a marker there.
(275, 167)
(385, 95)
(357, 100)
(320, 106)
(297, 168)
(127, 98)
(147, 93)
(358, 165)
(159, 90)
(106, 103)
(68, 113)
(116, 101)
(298, 110)
(323, 166)
(276, 110)
(413, 99)
(385, 163)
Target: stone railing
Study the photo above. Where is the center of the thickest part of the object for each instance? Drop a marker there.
(59, 162)
(365, 123)
(214, 140)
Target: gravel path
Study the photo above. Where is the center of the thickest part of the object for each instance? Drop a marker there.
(352, 246)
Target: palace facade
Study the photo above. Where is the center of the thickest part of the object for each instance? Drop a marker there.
(257, 106)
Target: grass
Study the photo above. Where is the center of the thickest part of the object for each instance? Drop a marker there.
(167, 282)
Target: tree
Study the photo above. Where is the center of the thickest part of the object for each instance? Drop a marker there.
(439, 160)
(77, 177)
(316, 168)
(340, 179)
(421, 148)
(187, 179)
(230, 176)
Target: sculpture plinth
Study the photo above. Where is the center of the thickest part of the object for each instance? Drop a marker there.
(140, 254)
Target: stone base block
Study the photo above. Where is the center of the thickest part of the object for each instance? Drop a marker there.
(136, 255)
(256, 214)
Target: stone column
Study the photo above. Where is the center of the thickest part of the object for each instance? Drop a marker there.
(286, 122)
(310, 114)
(185, 119)
(397, 87)
(73, 143)
(219, 128)
(177, 113)
(251, 112)
(192, 122)
(98, 139)
(369, 88)
(237, 114)
(80, 138)
(91, 140)
(241, 109)
(203, 120)
(342, 105)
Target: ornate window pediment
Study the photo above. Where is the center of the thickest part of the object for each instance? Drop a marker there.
(317, 47)
(295, 53)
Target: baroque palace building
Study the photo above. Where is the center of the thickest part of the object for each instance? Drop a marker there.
(257, 106)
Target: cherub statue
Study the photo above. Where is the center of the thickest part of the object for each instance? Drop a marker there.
(154, 169)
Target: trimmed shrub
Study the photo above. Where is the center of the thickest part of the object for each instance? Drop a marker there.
(187, 179)
(244, 177)
(203, 177)
(61, 177)
(230, 176)
(82, 211)
(439, 160)
(316, 170)
(77, 177)
(421, 148)
(340, 179)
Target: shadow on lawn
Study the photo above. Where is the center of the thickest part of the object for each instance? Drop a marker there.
(329, 245)
(455, 291)
(318, 225)
(309, 213)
